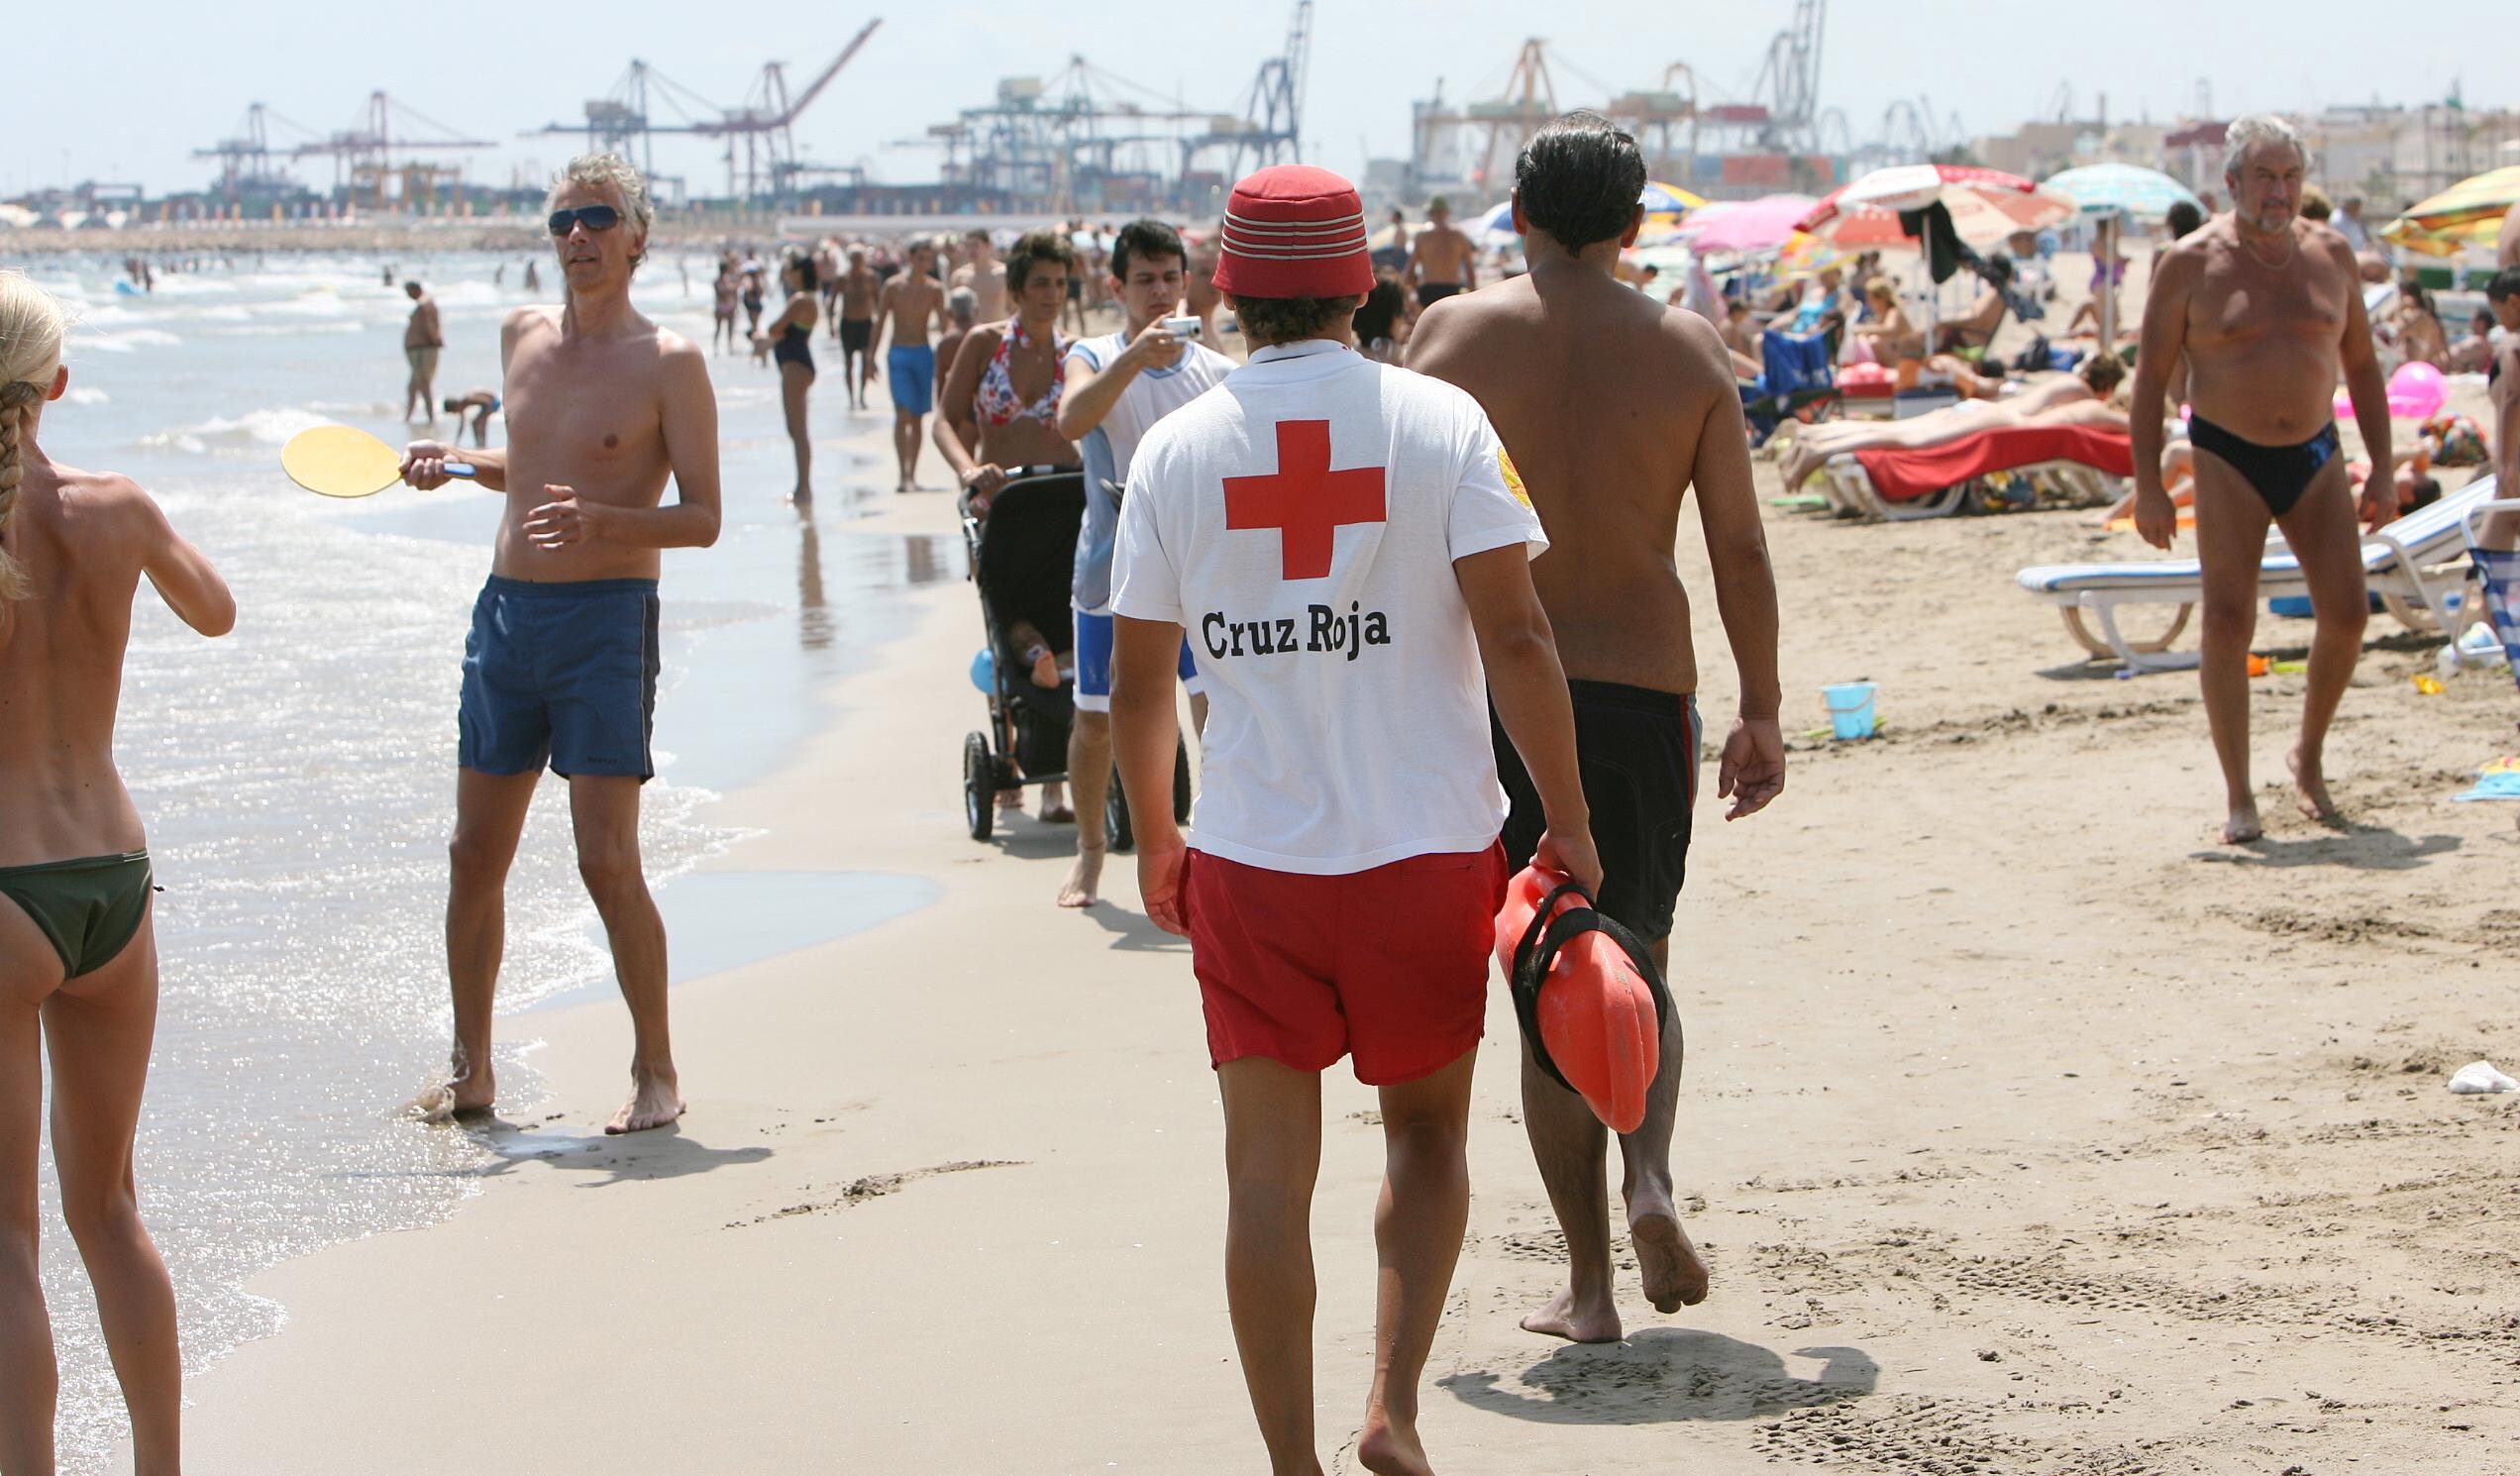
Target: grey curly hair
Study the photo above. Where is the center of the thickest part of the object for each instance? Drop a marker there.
(2256, 130)
(610, 170)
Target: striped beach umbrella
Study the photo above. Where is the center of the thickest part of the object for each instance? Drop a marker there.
(1668, 199)
(1987, 206)
(2121, 189)
(2482, 232)
(2484, 197)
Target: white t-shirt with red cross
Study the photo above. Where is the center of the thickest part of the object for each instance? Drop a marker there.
(1300, 521)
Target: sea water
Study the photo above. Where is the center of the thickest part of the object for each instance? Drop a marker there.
(297, 778)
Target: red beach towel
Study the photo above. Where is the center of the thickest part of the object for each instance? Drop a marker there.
(1905, 476)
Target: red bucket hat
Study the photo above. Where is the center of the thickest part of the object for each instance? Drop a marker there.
(1294, 231)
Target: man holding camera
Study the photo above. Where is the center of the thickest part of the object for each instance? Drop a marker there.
(1118, 387)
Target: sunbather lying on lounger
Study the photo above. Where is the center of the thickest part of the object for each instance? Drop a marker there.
(2083, 397)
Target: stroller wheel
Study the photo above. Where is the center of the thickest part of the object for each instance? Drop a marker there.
(1117, 833)
(979, 785)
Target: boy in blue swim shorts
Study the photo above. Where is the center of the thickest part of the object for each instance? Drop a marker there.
(1118, 387)
(913, 300)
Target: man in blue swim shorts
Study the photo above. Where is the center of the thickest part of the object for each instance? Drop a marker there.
(909, 302)
(560, 669)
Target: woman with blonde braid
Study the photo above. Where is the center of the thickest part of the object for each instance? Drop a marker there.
(78, 962)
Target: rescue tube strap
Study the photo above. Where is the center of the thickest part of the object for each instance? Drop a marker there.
(1537, 953)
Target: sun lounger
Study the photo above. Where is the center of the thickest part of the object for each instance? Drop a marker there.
(2496, 586)
(1931, 482)
(2397, 561)
(1795, 377)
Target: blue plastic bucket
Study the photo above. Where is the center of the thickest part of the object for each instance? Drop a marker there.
(1850, 709)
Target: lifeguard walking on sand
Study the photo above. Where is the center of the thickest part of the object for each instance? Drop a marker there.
(1340, 541)
(603, 406)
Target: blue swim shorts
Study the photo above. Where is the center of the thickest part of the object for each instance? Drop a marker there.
(1093, 664)
(564, 674)
(913, 370)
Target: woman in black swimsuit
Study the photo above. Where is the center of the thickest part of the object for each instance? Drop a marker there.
(790, 340)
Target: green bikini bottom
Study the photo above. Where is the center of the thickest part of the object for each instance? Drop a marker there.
(89, 908)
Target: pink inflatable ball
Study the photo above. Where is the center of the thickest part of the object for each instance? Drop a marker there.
(2417, 391)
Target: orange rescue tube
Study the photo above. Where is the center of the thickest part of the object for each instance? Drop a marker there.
(1596, 1014)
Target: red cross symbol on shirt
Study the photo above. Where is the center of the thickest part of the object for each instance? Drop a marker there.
(1306, 501)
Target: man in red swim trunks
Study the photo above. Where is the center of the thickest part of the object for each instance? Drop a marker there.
(1338, 538)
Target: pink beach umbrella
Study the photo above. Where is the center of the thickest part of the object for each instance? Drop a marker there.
(1754, 225)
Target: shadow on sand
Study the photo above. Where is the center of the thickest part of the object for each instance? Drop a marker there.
(2374, 848)
(1131, 932)
(636, 1157)
(1662, 1375)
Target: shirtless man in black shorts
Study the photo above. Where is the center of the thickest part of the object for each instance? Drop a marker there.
(1441, 260)
(858, 288)
(1613, 406)
(2265, 307)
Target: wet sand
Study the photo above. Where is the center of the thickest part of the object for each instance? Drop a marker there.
(2027, 1129)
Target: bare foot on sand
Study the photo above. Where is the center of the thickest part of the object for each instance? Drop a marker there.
(465, 1093)
(1675, 1275)
(2310, 789)
(1391, 1448)
(1564, 1317)
(2243, 826)
(1054, 804)
(655, 1101)
(1083, 888)
(1797, 466)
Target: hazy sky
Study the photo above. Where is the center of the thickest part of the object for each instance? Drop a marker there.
(125, 91)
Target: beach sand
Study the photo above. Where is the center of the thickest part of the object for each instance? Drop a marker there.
(2026, 1128)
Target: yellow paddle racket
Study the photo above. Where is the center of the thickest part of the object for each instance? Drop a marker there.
(336, 460)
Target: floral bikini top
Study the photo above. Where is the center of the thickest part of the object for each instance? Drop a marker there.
(997, 402)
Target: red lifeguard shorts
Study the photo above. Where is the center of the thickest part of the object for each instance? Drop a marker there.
(1389, 966)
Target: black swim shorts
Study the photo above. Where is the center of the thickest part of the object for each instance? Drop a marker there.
(856, 334)
(1637, 751)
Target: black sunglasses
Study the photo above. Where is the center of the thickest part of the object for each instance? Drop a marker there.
(592, 217)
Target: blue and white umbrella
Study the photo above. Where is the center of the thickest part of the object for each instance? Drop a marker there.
(2111, 194)
(2121, 189)
(1498, 221)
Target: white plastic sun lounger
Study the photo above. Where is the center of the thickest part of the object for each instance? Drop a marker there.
(2397, 561)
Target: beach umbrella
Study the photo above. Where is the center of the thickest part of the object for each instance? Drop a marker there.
(2482, 232)
(1752, 226)
(1496, 219)
(2121, 189)
(1986, 205)
(2109, 194)
(2481, 197)
(1668, 199)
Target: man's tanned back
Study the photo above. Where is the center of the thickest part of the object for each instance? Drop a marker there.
(1603, 398)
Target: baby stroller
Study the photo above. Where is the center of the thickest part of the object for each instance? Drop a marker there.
(1022, 557)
